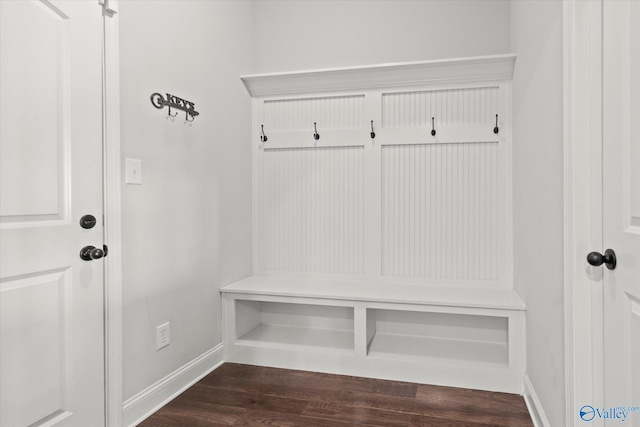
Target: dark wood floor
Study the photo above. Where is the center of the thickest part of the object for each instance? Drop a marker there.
(243, 395)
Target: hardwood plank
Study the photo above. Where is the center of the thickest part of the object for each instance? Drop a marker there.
(280, 387)
(262, 375)
(377, 417)
(194, 408)
(248, 399)
(384, 387)
(263, 418)
(484, 406)
(359, 415)
(183, 419)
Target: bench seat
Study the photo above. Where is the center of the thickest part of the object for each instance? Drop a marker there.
(401, 293)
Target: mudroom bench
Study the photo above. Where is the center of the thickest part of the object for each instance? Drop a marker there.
(393, 183)
(456, 336)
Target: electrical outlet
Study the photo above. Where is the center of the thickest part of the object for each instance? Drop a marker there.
(163, 338)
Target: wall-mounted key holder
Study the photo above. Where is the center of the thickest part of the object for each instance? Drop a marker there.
(173, 101)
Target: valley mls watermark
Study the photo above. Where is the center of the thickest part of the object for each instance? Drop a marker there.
(620, 413)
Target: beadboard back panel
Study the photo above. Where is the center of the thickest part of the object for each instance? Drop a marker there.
(406, 205)
(440, 211)
(469, 106)
(332, 112)
(313, 210)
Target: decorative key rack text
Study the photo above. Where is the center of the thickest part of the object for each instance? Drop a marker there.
(173, 101)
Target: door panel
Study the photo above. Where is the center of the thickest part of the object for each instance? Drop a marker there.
(38, 302)
(621, 199)
(51, 302)
(35, 116)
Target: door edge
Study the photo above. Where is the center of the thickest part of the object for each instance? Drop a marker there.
(582, 28)
(112, 216)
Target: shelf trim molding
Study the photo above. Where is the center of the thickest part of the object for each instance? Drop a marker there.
(380, 76)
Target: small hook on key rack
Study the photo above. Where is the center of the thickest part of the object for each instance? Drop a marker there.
(373, 134)
(496, 129)
(263, 137)
(316, 135)
(433, 126)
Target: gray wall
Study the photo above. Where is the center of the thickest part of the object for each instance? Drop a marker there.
(536, 30)
(297, 35)
(187, 228)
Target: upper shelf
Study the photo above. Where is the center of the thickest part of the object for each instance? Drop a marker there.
(456, 70)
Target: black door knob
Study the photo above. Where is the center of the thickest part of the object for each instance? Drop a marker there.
(597, 259)
(89, 253)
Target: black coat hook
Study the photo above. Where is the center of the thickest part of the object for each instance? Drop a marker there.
(433, 126)
(316, 136)
(496, 129)
(263, 137)
(373, 134)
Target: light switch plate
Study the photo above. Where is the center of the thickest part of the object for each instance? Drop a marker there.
(133, 173)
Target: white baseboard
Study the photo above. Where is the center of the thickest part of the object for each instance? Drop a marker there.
(148, 401)
(536, 411)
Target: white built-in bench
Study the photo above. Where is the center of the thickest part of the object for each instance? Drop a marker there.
(401, 174)
(445, 335)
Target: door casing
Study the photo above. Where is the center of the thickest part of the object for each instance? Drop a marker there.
(112, 213)
(584, 381)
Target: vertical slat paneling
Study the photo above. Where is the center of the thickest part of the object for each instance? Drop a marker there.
(314, 210)
(471, 106)
(338, 112)
(439, 208)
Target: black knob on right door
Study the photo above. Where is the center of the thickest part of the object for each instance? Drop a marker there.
(597, 259)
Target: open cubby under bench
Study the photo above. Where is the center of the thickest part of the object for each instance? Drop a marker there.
(443, 335)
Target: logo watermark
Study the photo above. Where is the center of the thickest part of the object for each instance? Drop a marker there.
(620, 413)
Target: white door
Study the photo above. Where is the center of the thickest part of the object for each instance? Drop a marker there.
(621, 208)
(51, 301)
